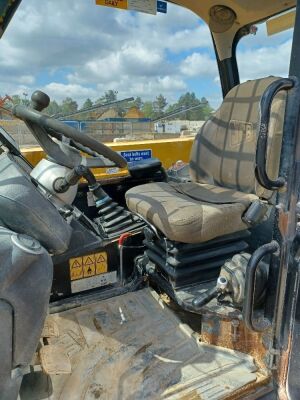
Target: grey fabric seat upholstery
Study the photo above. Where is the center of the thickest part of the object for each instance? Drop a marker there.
(221, 169)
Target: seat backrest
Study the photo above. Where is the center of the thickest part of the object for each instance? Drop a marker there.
(223, 153)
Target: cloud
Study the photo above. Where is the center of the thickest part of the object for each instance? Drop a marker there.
(61, 91)
(199, 64)
(261, 55)
(86, 48)
(189, 38)
(147, 88)
(264, 61)
(81, 50)
(132, 59)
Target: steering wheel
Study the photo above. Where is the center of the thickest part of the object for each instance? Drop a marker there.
(61, 142)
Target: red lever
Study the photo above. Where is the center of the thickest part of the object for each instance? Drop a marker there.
(123, 237)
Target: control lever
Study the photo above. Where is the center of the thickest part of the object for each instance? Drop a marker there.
(210, 294)
(113, 219)
(62, 184)
(39, 100)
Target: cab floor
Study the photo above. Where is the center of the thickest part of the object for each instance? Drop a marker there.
(134, 347)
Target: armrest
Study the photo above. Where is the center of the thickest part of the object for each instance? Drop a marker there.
(144, 168)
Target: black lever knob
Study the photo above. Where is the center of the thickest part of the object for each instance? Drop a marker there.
(40, 100)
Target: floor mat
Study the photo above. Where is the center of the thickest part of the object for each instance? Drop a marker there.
(132, 347)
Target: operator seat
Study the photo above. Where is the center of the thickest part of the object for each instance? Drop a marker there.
(221, 169)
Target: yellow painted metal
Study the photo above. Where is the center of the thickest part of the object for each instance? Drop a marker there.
(122, 4)
(281, 23)
(167, 150)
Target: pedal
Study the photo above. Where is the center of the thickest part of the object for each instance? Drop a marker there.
(54, 360)
(50, 329)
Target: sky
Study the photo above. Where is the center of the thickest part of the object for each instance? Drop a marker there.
(77, 49)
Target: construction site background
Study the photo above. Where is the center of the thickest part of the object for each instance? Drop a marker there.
(106, 131)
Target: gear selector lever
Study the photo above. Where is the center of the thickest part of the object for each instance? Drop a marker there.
(39, 100)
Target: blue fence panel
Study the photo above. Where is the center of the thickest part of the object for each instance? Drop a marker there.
(73, 124)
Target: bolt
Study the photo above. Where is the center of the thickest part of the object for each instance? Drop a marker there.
(222, 283)
(235, 324)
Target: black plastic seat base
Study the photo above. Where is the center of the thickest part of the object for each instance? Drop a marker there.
(189, 264)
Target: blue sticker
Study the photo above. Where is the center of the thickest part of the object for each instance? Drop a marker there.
(161, 6)
(136, 155)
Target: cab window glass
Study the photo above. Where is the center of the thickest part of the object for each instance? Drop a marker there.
(260, 55)
(113, 74)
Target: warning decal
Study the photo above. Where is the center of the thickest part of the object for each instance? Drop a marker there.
(87, 266)
(101, 262)
(76, 271)
(93, 282)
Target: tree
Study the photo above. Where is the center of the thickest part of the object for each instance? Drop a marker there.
(68, 105)
(189, 100)
(205, 110)
(52, 109)
(159, 104)
(111, 95)
(171, 108)
(87, 104)
(138, 103)
(154, 109)
(16, 99)
(108, 97)
(148, 110)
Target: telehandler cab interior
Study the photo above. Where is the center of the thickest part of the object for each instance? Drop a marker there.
(164, 288)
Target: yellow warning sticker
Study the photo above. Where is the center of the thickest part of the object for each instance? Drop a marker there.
(101, 263)
(76, 270)
(87, 266)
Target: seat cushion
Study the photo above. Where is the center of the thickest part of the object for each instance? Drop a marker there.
(190, 212)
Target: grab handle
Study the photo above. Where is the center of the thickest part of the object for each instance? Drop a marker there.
(252, 266)
(263, 132)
